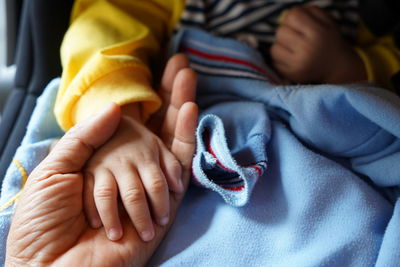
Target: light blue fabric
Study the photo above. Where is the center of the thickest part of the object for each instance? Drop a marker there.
(307, 211)
(329, 194)
(41, 131)
(228, 161)
(343, 122)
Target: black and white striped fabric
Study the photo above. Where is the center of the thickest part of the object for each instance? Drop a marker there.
(254, 21)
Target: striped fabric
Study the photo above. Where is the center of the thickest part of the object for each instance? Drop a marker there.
(254, 21)
(220, 173)
(230, 149)
(216, 165)
(221, 61)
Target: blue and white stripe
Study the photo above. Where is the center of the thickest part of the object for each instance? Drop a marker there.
(255, 21)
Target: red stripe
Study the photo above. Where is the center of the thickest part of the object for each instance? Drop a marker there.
(225, 58)
(233, 188)
(211, 151)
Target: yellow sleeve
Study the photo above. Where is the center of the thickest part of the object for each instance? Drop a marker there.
(380, 55)
(106, 54)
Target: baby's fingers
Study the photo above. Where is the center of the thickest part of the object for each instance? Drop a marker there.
(156, 187)
(135, 202)
(105, 196)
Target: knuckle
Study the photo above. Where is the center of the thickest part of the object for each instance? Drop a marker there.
(149, 156)
(104, 193)
(158, 186)
(151, 168)
(120, 160)
(76, 144)
(133, 196)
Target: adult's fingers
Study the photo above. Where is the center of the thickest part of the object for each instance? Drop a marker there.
(184, 141)
(174, 65)
(183, 90)
(77, 145)
(49, 214)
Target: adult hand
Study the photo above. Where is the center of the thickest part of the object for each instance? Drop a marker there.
(309, 48)
(49, 226)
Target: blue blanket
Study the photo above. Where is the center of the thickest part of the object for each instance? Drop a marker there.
(41, 132)
(327, 190)
(315, 169)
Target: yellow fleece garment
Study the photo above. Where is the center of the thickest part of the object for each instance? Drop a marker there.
(380, 55)
(106, 54)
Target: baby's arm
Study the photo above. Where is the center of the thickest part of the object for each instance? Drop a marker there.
(310, 49)
(106, 54)
(136, 165)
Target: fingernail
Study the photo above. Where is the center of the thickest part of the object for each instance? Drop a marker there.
(147, 235)
(114, 234)
(164, 220)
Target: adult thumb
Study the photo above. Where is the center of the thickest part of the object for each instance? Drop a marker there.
(77, 145)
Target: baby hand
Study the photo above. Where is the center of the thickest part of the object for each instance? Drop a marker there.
(310, 49)
(136, 165)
